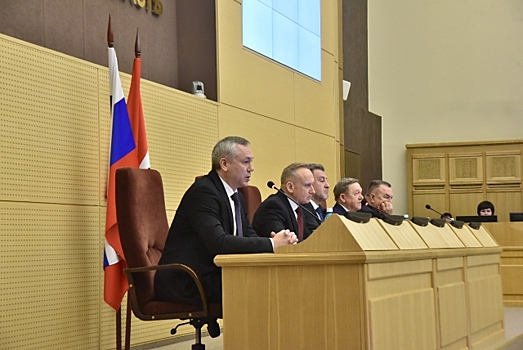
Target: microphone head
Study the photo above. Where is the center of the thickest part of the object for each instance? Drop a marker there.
(428, 206)
(270, 184)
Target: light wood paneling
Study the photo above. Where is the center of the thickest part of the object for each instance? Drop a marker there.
(272, 142)
(360, 298)
(310, 114)
(428, 169)
(435, 198)
(477, 171)
(404, 236)
(465, 169)
(509, 235)
(503, 167)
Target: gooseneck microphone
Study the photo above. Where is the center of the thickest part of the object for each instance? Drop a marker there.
(271, 184)
(434, 210)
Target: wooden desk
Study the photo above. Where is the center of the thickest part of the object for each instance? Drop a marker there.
(509, 236)
(367, 286)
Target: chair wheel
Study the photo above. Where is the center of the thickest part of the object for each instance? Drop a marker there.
(213, 328)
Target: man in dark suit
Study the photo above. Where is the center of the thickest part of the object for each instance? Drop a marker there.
(278, 212)
(348, 196)
(211, 220)
(378, 199)
(321, 193)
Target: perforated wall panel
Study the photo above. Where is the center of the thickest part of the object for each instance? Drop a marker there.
(54, 146)
(49, 127)
(49, 294)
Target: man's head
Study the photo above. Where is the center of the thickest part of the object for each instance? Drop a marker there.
(232, 159)
(321, 185)
(297, 181)
(348, 193)
(379, 192)
(485, 208)
(447, 216)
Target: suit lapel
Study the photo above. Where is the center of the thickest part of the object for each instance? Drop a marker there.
(226, 205)
(291, 217)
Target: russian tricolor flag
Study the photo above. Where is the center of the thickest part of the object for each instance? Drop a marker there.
(128, 149)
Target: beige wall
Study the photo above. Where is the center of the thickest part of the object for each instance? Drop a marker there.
(54, 145)
(287, 116)
(443, 71)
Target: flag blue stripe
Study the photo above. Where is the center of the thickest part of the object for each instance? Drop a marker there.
(122, 139)
(106, 262)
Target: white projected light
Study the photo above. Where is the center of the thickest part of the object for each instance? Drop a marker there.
(287, 31)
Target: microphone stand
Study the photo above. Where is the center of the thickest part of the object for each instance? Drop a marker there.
(271, 185)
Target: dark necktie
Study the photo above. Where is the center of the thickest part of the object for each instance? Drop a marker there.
(299, 219)
(320, 213)
(238, 214)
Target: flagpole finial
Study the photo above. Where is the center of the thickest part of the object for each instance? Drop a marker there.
(137, 49)
(110, 37)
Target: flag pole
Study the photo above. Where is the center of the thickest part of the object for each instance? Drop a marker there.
(118, 319)
(137, 52)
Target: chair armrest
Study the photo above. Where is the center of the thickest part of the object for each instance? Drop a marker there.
(130, 271)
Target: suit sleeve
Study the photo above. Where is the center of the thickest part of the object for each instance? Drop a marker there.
(206, 217)
(269, 218)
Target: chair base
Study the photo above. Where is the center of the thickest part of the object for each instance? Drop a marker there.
(198, 323)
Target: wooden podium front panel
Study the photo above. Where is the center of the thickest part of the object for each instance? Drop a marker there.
(438, 237)
(485, 300)
(404, 236)
(401, 305)
(509, 235)
(483, 236)
(465, 236)
(449, 282)
(293, 307)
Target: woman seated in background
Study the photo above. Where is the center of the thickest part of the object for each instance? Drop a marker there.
(485, 208)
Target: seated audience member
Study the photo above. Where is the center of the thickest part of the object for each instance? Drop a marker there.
(485, 208)
(211, 220)
(447, 216)
(348, 196)
(378, 199)
(278, 212)
(321, 193)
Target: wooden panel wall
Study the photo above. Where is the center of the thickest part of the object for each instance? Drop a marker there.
(455, 177)
(362, 129)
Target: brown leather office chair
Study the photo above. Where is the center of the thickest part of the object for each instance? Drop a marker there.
(143, 226)
(253, 200)
(252, 197)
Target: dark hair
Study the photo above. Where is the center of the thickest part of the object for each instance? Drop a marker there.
(375, 184)
(485, 205)
(315, 166)
(446, 215)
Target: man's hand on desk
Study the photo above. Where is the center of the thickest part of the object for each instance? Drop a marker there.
(284, 237)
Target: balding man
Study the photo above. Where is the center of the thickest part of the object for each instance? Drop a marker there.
(279, 211)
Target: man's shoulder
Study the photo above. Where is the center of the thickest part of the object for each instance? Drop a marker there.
(370, 210)
(274, 199)
(204, 186)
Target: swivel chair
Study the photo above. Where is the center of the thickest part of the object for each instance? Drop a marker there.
(143, 227)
